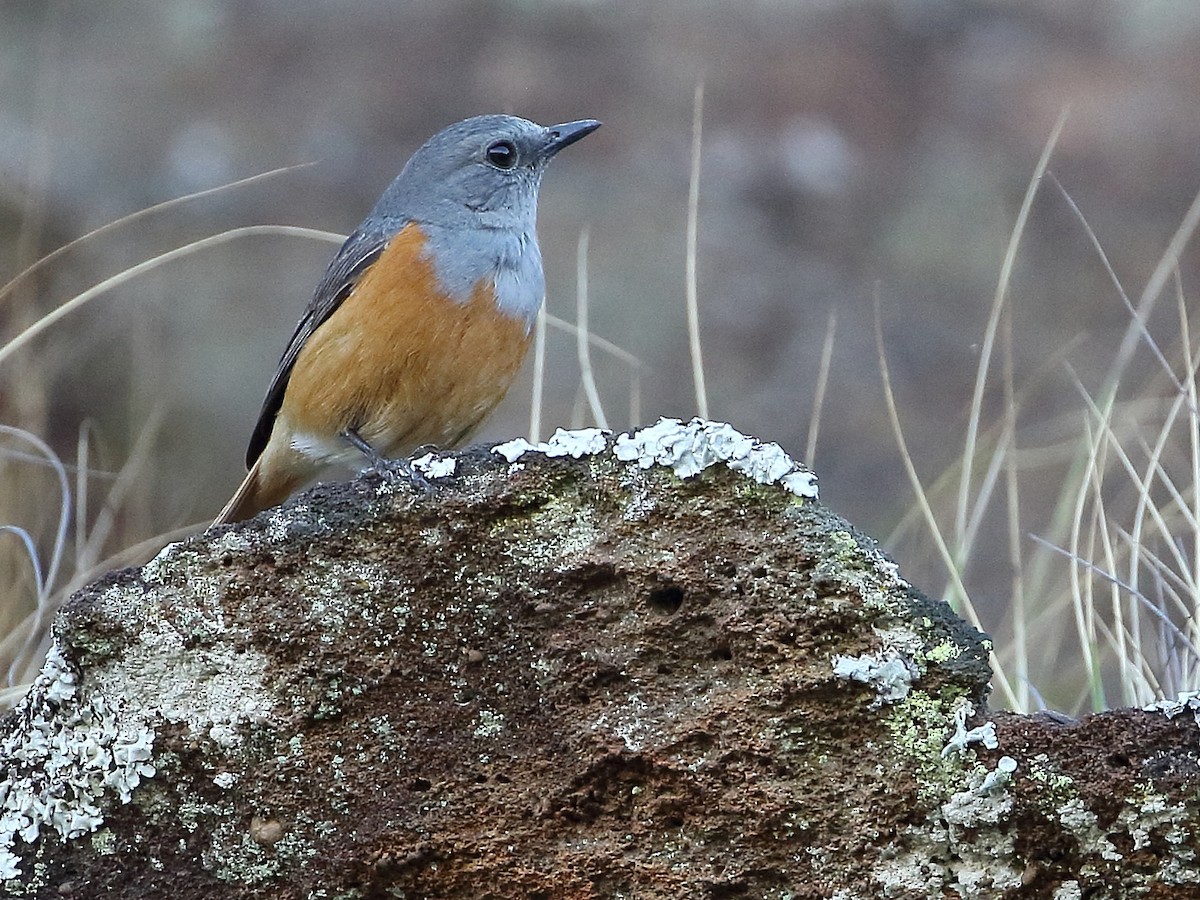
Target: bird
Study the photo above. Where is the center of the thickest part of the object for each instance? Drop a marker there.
(422, 319)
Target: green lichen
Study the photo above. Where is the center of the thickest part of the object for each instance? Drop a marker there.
(919, 726)
(845, 548)
(104, 842)
(942, 652)
(233, 856)
(194, 814)
(1057, 789)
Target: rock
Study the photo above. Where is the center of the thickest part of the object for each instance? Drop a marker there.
(575, 674)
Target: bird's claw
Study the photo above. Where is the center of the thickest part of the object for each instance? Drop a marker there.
(390, 470)
(398, 470)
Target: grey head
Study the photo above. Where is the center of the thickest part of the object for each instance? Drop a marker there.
(473, 188)
(484, 171)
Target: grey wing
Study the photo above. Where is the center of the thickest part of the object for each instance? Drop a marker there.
(361, 249)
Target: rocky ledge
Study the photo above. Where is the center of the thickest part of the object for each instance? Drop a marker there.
(647, 667)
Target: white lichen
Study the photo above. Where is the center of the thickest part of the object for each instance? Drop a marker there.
(984, 802)
(999, 777)
(979, 861)
(690, 448)
(982, 734)
(432, 466)
(687, 449)
(576, 444)
(964, 853)
(631, 721)
(210, 691)
(1186, 701)
(900, 639)
(72, 749)
(890, 673)
(66, 753)
(1149, 814)
(1083, 825)
(489, 723)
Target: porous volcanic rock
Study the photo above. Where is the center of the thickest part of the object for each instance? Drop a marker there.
(561, 678)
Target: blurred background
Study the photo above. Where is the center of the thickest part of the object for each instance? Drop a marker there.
(849, 148)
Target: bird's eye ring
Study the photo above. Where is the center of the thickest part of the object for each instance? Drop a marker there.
(502, 154)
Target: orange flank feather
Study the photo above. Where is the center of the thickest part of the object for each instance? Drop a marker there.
(399, 361)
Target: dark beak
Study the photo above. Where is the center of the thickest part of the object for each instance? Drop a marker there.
(559, 136)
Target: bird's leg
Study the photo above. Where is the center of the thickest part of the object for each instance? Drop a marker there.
(359, 443)
(388, 468)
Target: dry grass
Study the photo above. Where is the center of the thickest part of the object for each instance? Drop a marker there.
(49, 556)
(1107, 573)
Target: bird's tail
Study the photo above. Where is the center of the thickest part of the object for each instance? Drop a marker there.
(244, 502)
(255, 494)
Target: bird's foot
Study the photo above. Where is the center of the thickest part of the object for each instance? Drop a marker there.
(392, 470)
(398, 470)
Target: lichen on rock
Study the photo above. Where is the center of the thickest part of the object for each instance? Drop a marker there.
(66, 753)
(649, 666)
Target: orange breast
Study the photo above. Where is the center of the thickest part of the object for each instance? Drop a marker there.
(402, 362)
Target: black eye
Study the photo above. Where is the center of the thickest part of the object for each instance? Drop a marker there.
(502, 154)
